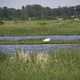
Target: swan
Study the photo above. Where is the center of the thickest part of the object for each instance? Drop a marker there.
(46, 40)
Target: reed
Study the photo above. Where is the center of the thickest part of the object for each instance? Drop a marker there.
(61, 64)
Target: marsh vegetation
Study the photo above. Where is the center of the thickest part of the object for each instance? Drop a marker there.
(63, 64)
(40, 27)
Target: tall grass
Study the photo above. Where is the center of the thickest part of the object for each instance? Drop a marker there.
(61, 64)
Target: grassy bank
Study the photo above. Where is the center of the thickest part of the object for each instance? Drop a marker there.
(47, 27)
(62, 64)
(39, 41)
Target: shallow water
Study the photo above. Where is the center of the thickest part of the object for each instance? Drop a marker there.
(36, 48)
(53, 37)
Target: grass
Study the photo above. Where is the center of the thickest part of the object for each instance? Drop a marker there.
(38, 41)
(62, 64)
(47, 27)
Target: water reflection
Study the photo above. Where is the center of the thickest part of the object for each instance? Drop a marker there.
(36, 48)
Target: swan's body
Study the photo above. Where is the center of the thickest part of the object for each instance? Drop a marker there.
(47, 40)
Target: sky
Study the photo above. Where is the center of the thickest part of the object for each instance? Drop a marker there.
(47, 3)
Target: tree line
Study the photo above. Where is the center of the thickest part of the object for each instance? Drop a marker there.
(38, 12)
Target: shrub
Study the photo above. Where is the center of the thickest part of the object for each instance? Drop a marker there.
(1, 22)
(43, 23)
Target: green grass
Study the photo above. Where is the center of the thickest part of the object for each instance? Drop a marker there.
(39, 41)
(62, 64)
(47, 27)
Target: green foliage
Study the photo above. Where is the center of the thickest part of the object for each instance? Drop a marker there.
(39, 12)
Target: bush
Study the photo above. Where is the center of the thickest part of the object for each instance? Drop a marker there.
(43, 23)
(1, 22)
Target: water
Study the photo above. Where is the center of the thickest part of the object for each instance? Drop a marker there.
(36, 48)
(53, 37)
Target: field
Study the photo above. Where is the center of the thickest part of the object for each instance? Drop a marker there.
(45, 27)
(62, 64)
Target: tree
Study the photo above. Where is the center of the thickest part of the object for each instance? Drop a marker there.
(5, 13)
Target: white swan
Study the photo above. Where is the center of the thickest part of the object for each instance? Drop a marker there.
(46, 40)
